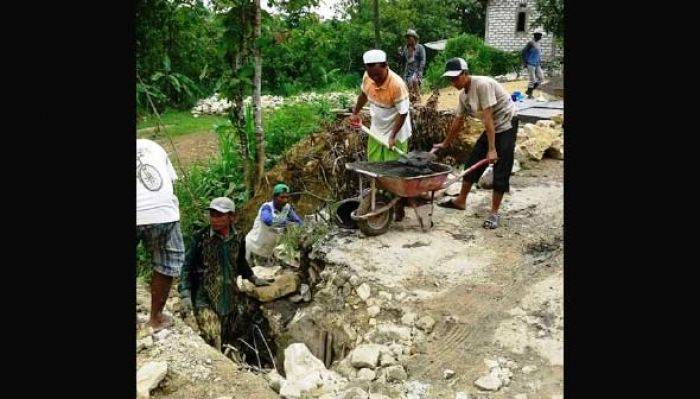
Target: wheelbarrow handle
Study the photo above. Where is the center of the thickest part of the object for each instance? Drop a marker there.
(366, 130)
(453, 180)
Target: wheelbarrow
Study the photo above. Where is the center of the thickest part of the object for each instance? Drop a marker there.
(376, 210)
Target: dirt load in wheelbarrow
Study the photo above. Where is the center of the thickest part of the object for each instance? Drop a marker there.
(376, 209)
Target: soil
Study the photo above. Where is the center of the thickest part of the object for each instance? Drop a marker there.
(195, 369)
(194, 148)
(450, 95)
(492, 293)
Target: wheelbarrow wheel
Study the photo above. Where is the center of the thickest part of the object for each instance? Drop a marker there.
(376, 225)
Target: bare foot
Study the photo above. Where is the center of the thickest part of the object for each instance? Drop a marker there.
(160, 322)
(450, 204)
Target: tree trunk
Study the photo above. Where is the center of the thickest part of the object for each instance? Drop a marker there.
(259, 133)
(239, 123)
(376, 23)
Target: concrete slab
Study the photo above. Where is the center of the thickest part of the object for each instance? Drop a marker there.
(532, 115)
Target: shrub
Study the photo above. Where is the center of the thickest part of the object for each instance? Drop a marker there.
(481, 58)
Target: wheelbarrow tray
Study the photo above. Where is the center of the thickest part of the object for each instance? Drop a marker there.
(403, 180)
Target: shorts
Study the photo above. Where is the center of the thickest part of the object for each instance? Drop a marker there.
(505, 148)
(164, 243)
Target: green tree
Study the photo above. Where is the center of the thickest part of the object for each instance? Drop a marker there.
(551, 16)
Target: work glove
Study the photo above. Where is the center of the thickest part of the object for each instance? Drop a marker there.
(259, 282)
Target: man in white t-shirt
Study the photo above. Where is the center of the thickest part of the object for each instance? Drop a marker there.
(158, 223)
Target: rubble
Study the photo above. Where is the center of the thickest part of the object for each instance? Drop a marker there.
(373, 311)
(426, 323)
(363, 291)
(535, 140)
(387, 359)
(408, 319)
(353, 393)
(365, 356)
(489, 382)
(148, 377)
(395, 373)
(354, 280)
(304, 372)
(366, 374)
(389, 333)
(415, 390)
(144, 343)
(161, 335)
(448, 373)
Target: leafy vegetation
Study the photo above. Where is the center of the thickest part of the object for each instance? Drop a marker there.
(481, 58)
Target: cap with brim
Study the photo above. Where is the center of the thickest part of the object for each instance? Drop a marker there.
(222, 204)
(374, 56)
(280, 188)
(455, 66)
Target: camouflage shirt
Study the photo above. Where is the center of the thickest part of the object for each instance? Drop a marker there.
(212, 264)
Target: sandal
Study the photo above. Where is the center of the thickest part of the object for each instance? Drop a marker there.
(450, 205)
(492, 221)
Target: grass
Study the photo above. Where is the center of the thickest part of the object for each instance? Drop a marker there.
(179, 123)
(222, 175)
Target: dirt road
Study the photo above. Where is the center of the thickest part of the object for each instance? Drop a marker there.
(492, 293)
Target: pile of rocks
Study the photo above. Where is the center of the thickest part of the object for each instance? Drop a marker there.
(214, 105)
(535, 141)
(370, 362)
(266, 101)
(499, 376)
(336, 99)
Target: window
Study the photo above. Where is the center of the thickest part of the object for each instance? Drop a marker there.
(521, 22)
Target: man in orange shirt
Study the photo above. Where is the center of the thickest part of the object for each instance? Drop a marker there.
(389, 111)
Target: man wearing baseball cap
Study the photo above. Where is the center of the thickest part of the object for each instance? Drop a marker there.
(208, 280)
(275, 214)
(483, 97)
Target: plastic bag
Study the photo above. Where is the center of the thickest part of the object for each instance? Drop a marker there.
(486, 179)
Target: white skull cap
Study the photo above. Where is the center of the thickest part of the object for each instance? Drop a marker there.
(372, 56)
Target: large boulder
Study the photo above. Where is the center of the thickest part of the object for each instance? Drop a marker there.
(283, 285)
(365, 356)
(148, 377)
(304, 372)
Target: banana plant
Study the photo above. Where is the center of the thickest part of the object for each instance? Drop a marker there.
(179, 87)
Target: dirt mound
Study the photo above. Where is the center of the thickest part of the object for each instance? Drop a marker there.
(316, 167)
(195, 369)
